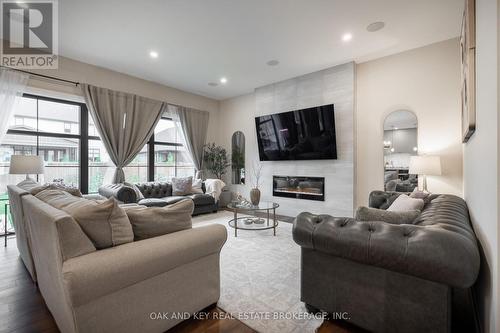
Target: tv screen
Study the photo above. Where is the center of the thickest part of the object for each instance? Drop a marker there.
(307, 134)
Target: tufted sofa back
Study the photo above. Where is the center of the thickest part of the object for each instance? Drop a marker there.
(155, 189)
(439, 246)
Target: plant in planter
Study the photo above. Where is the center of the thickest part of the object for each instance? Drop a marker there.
(216, 159)
(255, 191)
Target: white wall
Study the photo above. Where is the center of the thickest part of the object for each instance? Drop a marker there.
(73, 70)
(334, 85)
(481, 162)
(426, 81)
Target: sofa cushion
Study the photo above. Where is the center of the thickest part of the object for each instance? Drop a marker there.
(150, 222)
(153, 202)
(405, 203)
(374, 214)
(104, 222)
(104, 272)
(182, 186)
(202, 199)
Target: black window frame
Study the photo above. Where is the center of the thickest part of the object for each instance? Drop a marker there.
(84, 137)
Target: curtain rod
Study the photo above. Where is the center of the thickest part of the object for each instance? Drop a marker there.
(41, 75)
(62, 80)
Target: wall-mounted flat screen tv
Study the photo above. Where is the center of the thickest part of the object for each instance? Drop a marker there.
(306, 134)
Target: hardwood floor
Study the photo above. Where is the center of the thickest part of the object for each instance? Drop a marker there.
(22, 308)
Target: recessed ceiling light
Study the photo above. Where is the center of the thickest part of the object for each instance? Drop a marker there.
(153, 54)
(213, 84)
(375, 26)
(346, 37)
(273, 62)
(223, 80)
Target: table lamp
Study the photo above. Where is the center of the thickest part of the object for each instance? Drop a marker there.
(425, 165)
(26, 165)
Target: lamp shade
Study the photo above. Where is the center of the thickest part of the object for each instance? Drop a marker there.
(425, 165)
(26, 165)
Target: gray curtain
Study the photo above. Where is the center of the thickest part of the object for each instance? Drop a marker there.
(124, 121)
(194, 124)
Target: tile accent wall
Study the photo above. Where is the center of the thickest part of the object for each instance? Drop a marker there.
(330, 86)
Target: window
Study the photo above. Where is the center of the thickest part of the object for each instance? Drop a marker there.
(137, 170)
(66, 137)
(101, 169)
(38, 127)
(170, 156)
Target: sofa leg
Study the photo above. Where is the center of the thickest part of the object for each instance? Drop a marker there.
(312, 309)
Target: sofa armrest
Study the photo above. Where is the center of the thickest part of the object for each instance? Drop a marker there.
(123, 193)
(103, 272)
(436, 253)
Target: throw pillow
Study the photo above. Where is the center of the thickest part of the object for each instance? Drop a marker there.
(374, 214)
(416, 194)
(197, 186)
(103, 221)
(150, 222)
(182, 186)
(28, 184)
(55, 186)
(138, 193)
(405, 203)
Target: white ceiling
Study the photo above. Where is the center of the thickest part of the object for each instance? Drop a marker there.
(199, 41)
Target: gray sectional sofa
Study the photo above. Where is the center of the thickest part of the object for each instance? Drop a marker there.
(118, 288)
(389, 277)
(158, 194)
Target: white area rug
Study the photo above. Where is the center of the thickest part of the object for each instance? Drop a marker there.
(260, 276)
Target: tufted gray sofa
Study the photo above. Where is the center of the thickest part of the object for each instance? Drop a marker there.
(387, 277)
(158, 194)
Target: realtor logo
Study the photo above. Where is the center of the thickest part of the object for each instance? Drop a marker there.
(29, 34)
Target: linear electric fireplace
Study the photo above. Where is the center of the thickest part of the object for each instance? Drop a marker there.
(310, 188)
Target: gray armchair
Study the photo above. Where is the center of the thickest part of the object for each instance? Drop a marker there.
(387, 277)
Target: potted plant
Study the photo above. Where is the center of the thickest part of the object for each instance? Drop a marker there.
(255, 191)
(216, 159)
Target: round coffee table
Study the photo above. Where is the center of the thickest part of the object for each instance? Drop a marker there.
(253, 222)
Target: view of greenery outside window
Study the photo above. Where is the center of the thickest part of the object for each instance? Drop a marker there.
(47, 128)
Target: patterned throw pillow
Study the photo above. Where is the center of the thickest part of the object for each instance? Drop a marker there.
(182, 186)
(373, 214)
